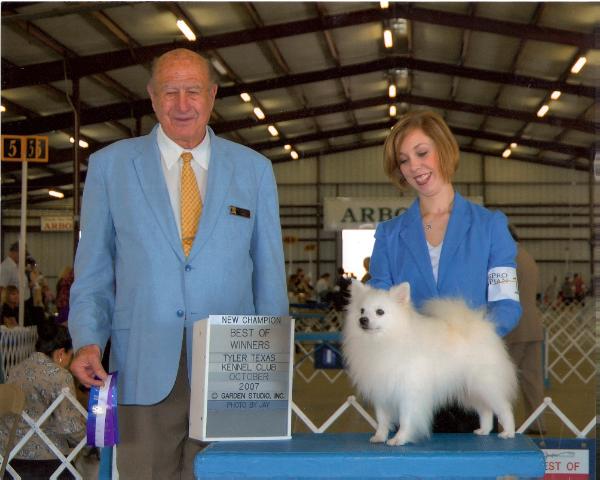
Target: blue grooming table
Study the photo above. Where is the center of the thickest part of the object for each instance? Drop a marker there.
(351, 456)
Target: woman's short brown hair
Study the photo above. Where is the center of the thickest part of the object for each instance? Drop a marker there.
(434, 127)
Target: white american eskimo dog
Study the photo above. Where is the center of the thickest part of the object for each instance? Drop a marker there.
(408, 363)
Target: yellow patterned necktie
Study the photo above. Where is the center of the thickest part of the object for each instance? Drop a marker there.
(191, 203)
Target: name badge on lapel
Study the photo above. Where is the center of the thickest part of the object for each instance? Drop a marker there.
(240, 212)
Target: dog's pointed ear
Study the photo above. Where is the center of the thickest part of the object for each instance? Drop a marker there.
(401, 293)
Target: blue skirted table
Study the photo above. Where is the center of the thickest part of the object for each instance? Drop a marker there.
(351, 456)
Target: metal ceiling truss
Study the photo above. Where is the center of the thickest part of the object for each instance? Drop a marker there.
(76, 67)
(143, 107)
(98, 63)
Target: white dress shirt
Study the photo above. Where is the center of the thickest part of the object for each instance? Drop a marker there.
(170, 154)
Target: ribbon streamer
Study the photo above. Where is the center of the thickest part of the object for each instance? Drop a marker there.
(102, 423)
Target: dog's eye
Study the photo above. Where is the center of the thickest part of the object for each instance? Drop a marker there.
(379, 311)
(362, 310)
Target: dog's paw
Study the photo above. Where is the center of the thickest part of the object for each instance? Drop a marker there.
(378, 438)
(395, 441)
(481, 431)
(506, 434)
(399, 439)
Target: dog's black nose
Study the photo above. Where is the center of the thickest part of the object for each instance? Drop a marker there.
(364, 322)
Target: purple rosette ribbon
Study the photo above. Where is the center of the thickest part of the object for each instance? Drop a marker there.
(102, 424)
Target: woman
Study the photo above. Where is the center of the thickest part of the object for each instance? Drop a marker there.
(63, 291)
(443, 245)
(42, 376)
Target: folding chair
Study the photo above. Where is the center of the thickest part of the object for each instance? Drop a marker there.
(12, 403)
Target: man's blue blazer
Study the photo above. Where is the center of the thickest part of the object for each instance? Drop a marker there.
(476, 241)
(132, 280)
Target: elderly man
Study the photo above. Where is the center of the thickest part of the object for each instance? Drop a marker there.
(9, 271)
(176, 225)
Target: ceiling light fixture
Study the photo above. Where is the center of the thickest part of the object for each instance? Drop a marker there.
(384, 4)
(506, 153)
(578, 65)
(555, 95)
(513, 145)
(543, 111)
(393, 110)
(2, 108)
(245, 97)
(392, 91)
(219, 67)
(259, 113)
(294, 154)
(56, 194)
(187, 31)
(272, 130)
(287, 146)
(82, 143)
(387, 39)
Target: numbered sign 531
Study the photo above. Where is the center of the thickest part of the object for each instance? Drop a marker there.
(19, 148)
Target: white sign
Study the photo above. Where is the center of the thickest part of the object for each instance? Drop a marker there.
(567, 464)
(340, 213)
(242, 369)
(57, 224)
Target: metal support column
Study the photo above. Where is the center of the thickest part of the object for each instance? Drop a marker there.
(75, 99)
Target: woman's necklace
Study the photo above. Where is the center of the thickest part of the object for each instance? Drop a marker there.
(429, 225)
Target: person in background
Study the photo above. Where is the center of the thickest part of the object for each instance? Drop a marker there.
(341, 290)
(9, 270)
(525, 341)
(175, 226)
(41, 296)
(579, 288)
(42, 377)
(9, 316)
(302, 287)
(63, 293)
(567, 291)
(367, 276)
(443, 245)
(34, 315)
(323, 288)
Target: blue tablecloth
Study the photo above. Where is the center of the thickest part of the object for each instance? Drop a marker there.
(351, 456)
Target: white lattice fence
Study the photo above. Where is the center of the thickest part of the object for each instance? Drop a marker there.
(571, 339)
(571, 342)
(36, 429)
(351, 402)
(16, 344)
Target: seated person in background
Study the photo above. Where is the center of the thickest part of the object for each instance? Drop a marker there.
(42, 376)
(41, 296)
(367, 276)
(63, 292)
(323, 288)
(341, 290)
(34, 314)
(302, 287)
(10, 307)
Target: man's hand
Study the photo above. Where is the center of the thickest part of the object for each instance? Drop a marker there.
(87, 366)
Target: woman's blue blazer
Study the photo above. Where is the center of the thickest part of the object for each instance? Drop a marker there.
(476, 242)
